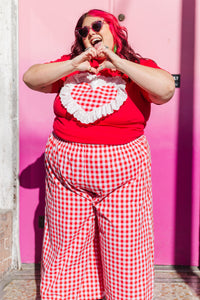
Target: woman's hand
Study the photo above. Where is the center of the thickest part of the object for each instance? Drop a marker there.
(82, 62)
(111, 60)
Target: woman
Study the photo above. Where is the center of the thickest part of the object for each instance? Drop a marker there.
(98, 239)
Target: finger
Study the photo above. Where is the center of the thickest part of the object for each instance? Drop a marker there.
(91, 52)
(92, 70)
(101, 67)
(105, 51)
(104, 48)
(88, 54)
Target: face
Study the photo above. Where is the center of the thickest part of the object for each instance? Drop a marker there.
(95, 39)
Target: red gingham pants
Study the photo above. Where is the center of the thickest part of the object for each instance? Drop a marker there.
(98, 239)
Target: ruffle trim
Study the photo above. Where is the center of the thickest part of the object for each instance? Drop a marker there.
(87, 117)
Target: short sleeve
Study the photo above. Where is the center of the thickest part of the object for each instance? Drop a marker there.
(152, 64)
(149, 63)
(56, 86)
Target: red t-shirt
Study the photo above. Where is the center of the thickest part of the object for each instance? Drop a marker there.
(86, 111)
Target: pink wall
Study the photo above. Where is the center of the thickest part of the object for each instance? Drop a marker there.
(45, 33)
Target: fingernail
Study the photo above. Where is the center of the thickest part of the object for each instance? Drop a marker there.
(87, 48)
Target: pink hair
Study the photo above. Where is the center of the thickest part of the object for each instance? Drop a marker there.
(119, 33)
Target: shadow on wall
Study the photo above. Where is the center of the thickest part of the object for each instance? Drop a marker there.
(184, 175)
(34, 177)
(185, 148)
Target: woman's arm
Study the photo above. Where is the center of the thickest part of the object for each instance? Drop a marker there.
(158, 84)
(40, 77)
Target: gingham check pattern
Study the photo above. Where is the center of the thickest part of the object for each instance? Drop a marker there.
(98, 237)
(89, 98)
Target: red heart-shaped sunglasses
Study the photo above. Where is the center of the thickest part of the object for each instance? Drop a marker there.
(84, 31)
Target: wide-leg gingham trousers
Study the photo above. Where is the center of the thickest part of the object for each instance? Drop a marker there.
(98, 239)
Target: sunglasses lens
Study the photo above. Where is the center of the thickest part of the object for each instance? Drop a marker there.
(96, 26)
(83, 31)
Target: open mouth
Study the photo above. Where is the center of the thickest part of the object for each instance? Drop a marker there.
(96, 42)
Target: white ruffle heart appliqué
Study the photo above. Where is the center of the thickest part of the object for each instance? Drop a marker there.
(89, 97)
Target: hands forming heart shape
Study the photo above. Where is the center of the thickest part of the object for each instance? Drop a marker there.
(106, 58)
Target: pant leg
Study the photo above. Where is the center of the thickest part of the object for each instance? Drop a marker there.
(71, 265)
(126, 237)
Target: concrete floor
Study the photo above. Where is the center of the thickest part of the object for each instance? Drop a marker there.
(170, 283)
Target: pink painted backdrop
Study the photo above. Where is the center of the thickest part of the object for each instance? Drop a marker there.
(170, 38)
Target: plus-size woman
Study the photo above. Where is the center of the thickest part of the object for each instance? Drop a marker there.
(98, 239)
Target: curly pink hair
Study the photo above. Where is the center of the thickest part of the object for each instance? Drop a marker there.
(119, 33)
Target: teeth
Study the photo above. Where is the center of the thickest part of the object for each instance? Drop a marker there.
(95, 40)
